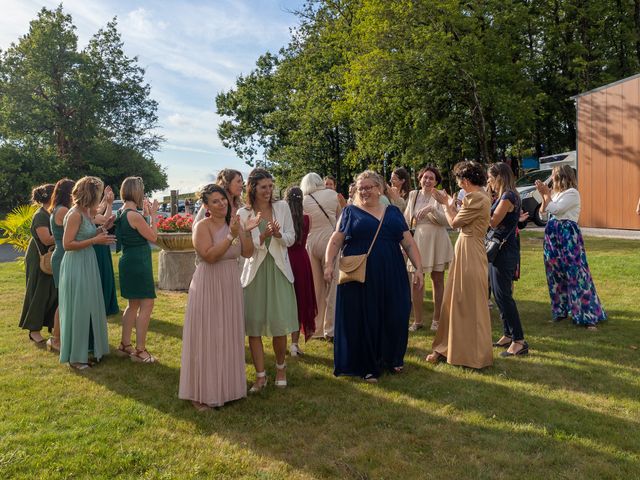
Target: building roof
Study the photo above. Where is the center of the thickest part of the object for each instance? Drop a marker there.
(604, 87)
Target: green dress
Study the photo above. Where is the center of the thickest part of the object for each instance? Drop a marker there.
(270, 307)
(105, 265)
(58, 253)
(83, 323)
(135, 268)
(41, 297)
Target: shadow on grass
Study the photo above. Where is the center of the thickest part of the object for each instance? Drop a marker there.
(357, 421)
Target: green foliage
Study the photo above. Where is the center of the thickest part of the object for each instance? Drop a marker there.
(16, 227)
(375, 83)
(68, 112)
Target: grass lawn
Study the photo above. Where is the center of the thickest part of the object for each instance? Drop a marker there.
(569, 410)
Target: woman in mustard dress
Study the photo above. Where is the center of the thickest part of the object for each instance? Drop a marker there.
(134, 231)
(464, 334)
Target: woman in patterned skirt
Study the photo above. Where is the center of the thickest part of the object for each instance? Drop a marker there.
(571, 287)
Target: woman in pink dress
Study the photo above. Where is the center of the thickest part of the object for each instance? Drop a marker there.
(301, 266)
(213, 370)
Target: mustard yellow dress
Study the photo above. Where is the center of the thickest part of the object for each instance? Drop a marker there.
(464, 332)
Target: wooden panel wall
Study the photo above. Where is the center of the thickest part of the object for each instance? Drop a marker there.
(609, 156)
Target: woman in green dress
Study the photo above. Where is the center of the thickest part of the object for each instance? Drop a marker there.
(60, 205)
(270, 307)
(83, 323)
(134, 231)
(103, 255)
(41, 297)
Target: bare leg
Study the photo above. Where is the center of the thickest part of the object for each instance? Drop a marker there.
(257, 355)
(128, 320)
(437, 284)
(142, 323)
(418, 299)
(280, 349)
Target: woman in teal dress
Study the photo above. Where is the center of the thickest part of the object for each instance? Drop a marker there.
(135, 269)
(40, 297)
(60, 205)
(83, 323)
(103, 255)
(270, 307)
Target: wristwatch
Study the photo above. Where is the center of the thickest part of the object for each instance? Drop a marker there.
(232, 239)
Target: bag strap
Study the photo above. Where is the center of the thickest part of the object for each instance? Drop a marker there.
(323, 210)
(377, 231)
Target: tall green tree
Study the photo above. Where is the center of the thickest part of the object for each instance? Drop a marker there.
(68, 109)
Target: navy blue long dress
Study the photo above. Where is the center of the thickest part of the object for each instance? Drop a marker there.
(371, 318)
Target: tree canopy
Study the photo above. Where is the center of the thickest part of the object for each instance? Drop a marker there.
(373, 83)
(71, 112)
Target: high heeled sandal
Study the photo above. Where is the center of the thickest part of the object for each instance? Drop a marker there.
(523, 351)
(137, 357)
(38, 343)
(435, 357)
(281, 383)
(123, 350)
(255, 388)
(503, 345)
(51, 345)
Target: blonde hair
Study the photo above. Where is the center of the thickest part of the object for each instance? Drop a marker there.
(132, 190)
(369, 175)
(563, 178)
(87, 192)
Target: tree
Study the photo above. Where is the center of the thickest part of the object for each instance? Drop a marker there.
(60, 106)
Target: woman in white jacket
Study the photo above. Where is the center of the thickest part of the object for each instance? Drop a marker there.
(269, 298)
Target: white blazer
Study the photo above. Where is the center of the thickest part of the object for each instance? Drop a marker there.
(277, 246)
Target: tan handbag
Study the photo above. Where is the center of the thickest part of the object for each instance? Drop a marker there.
(353, 268)
(45, 260)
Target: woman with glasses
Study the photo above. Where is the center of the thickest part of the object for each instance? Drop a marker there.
(371, 317)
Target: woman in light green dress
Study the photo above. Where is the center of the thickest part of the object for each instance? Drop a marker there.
(83, 322)
(270, 307)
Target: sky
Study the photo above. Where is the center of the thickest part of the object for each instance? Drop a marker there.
(191, 50)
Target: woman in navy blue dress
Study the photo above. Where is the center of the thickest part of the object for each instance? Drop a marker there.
(372, 317)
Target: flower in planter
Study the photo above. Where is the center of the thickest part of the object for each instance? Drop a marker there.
(175, 224)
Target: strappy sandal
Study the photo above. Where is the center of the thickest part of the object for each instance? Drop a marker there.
(137, 357)
(435, 357)
(414, 327)
(281, 383)
(52, 346)
(123, 350)
(38, 343)
(257, 387)
(505, 344)
(369, 378)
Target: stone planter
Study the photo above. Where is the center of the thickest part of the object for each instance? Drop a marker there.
(176, 262)
(175, 241)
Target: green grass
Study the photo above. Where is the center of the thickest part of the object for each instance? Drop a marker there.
(569, 410)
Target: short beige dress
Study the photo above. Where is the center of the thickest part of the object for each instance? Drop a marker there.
(431, 234)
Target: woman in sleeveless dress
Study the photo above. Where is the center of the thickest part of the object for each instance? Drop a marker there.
(60, 205)
(103, 255)
(301, 266)
(134, 231)
(212, 368)
(426, 216)
(322, 204)
(40, 297)
(83, 323)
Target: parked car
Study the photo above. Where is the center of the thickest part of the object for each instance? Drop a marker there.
(529, 195)
(116, 205)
